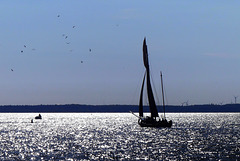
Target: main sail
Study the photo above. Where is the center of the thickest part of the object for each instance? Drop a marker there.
(151, 100)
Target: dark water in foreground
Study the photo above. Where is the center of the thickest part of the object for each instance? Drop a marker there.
(117, 136)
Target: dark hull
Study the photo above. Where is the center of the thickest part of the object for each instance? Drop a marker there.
(154, 123)
(37, 117)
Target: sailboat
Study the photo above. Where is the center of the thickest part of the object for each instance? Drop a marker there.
(153, 120)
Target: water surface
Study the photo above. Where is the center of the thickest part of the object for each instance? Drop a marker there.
(117, 136)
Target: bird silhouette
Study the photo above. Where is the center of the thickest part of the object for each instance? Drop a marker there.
(12, 70)
(90, 50)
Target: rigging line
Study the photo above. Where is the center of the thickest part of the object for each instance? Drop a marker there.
(154, 87)
(155, 91)
(145, 103)
(165, 94)
(135, 95)
(145, 97)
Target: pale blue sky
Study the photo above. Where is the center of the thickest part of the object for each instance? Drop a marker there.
(194, 43)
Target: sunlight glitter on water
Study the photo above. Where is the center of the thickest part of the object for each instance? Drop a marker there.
(117, 136)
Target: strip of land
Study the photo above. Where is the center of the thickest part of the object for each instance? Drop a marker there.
(114, 108)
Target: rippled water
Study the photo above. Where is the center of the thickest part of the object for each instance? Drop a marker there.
(117, 136)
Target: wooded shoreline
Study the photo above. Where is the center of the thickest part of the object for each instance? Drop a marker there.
(116, 108)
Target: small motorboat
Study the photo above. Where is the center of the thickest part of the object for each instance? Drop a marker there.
(38, 117)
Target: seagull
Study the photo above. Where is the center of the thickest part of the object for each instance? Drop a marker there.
(67, 42)
(21, 51)
(81, 61)
(25, 46)
(66, 37)
(58, 16)
(90, 50)
(12, 70)
(73, 26)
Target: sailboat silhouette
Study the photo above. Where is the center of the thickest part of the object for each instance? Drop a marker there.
(153, 120)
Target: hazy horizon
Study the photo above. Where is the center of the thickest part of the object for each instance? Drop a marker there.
(90, 52)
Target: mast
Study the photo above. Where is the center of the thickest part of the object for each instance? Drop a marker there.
(163, 96)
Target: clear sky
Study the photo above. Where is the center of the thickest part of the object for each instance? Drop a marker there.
(196, 44)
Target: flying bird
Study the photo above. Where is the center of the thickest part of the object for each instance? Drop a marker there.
(73, 26)
(21, 51)
(81, 61)
(25, 46)
(90, 50)
(66, 37)
(12, 70)
(58, 16)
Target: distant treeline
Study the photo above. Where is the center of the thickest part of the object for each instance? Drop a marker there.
(116, 108)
